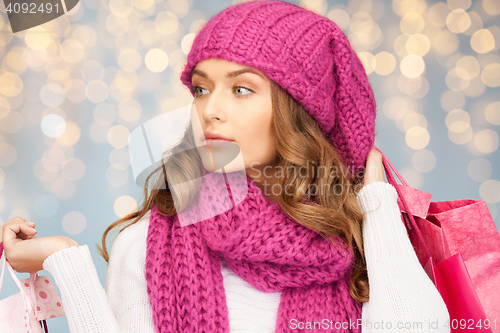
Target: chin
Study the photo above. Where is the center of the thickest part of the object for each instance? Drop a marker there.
(229, 159)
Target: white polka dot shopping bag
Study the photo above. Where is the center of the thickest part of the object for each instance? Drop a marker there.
(26, 311)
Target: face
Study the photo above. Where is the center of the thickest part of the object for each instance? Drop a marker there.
(234, 101)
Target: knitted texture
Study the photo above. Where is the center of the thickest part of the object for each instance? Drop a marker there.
(309, 56)
(261, 244)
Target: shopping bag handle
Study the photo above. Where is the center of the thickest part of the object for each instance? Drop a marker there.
(410, 221)
(32, 276)
(389, 175)
(29, 302)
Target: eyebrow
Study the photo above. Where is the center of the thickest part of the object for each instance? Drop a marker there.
(228, 74)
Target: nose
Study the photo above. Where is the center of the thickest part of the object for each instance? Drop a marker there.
(214, 107)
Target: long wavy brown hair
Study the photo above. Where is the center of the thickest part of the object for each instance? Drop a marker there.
(298, 139)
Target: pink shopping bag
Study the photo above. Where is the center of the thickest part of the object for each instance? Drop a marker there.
(27, 310)
(459, 246)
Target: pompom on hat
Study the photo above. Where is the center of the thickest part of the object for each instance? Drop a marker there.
(309, 56)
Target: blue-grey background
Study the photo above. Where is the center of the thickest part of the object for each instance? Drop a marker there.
(72, 89)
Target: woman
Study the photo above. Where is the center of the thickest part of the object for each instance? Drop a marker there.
(284, 86)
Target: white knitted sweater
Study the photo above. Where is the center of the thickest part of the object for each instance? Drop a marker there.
(401, 294)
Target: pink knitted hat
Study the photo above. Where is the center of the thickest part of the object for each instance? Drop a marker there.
(309, 56)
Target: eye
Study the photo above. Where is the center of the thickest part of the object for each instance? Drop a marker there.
(196, 91)
(240, 87)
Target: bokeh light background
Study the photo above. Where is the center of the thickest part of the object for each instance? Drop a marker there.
(73, 89)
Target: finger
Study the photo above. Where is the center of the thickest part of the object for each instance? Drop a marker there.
(12, 222)
(27, 237)
(381, 166)
(19, 220)
(16, 219)
(11, 230)
(23, 236)
(381, 173)
(374, 171)
(31, 224)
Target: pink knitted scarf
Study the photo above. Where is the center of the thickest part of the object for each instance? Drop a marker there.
(263, 246)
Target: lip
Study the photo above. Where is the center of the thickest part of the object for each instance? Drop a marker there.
(214, 137)
(217, 143)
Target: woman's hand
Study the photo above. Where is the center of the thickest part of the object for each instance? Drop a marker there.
(26, 252)
(374, 171)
